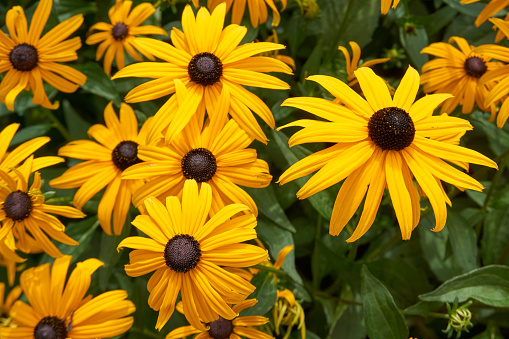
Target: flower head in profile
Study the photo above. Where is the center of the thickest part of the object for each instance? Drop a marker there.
(498, 75)
(9, 160)
(458, 72)
(351, 64)
(288, 312)
(258, 12)
(239, 327)
(386, 4)
(117, 36)
(6, 304)
(186, 250)
(206, 59)
(380, 142)
(29, 58)
(116, 150)
(24, 213)
(215, 154)
(59, 310)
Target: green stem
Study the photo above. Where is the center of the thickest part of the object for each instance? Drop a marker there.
(58, 125)
(431, 314)
(335, 40)
(270, 269)
(145, 333)
(59, 200)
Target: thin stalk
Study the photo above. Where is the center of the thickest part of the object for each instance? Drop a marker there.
(58, 125)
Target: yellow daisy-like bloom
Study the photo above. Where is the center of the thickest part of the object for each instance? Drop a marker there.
(62, 312)
(215, 154)
(116, 150)
(28, 59)
(257, 10)
(499, 91)
(380, 142)
(206, 59)
(490, 10)
(5, 305)
(288, 312)
(351, 64)
(458, 72)
(386, 4)
(186, 252)
(23, 209)
(12, 159)
(120, 34)
(9, 259)
(237, 328)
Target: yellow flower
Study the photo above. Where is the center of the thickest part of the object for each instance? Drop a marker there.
(61, 312)
(22, 152)
(380, 142)
(186, 252)
(351, 64)
(206, 59)
(237, 328)
(216, 154)
(458, 72)
(9, 258)
(498, 75)
(116, 151)
(121, 33)
(257, 10)
(5, 305)
(386, 4)
(491, 9)
(23, 209)
(28, 59)
(275, 54)
(288, 312)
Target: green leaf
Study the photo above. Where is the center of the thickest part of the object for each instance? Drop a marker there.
(29, 133)
(423, 308)
(382, 317)
(266, 201)
(413, 43)
(98, 82)
(496, 236)
(276, 239)
(471, 9)
(489, 285)
(76, 125)
(265, 293)
(68, 8)
(321, 201)
(463, 242)
(350, 325)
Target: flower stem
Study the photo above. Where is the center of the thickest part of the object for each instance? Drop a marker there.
(58, 125)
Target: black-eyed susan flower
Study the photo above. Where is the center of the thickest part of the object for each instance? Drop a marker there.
(216, 154)
(237, 328)
(117, 36)
(29, 58)
(59, 310)
(498, 75)
(492, 8)
(288, 312)
(24, 215)
(351, 64)
(116, 150)
(206, 59)
(458, 72)
(380, 142)
(386, 4)
(186, 250)
(258, 12)
(6, 304)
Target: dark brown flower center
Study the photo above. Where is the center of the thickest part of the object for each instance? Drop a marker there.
(475, 67)
(205, 69)
(220, 328)
(199, 164)
(18, 205)
(119, 31)
(125, 155)
(50, 328)
(391, 129)
(182, 253)
(24, 57)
